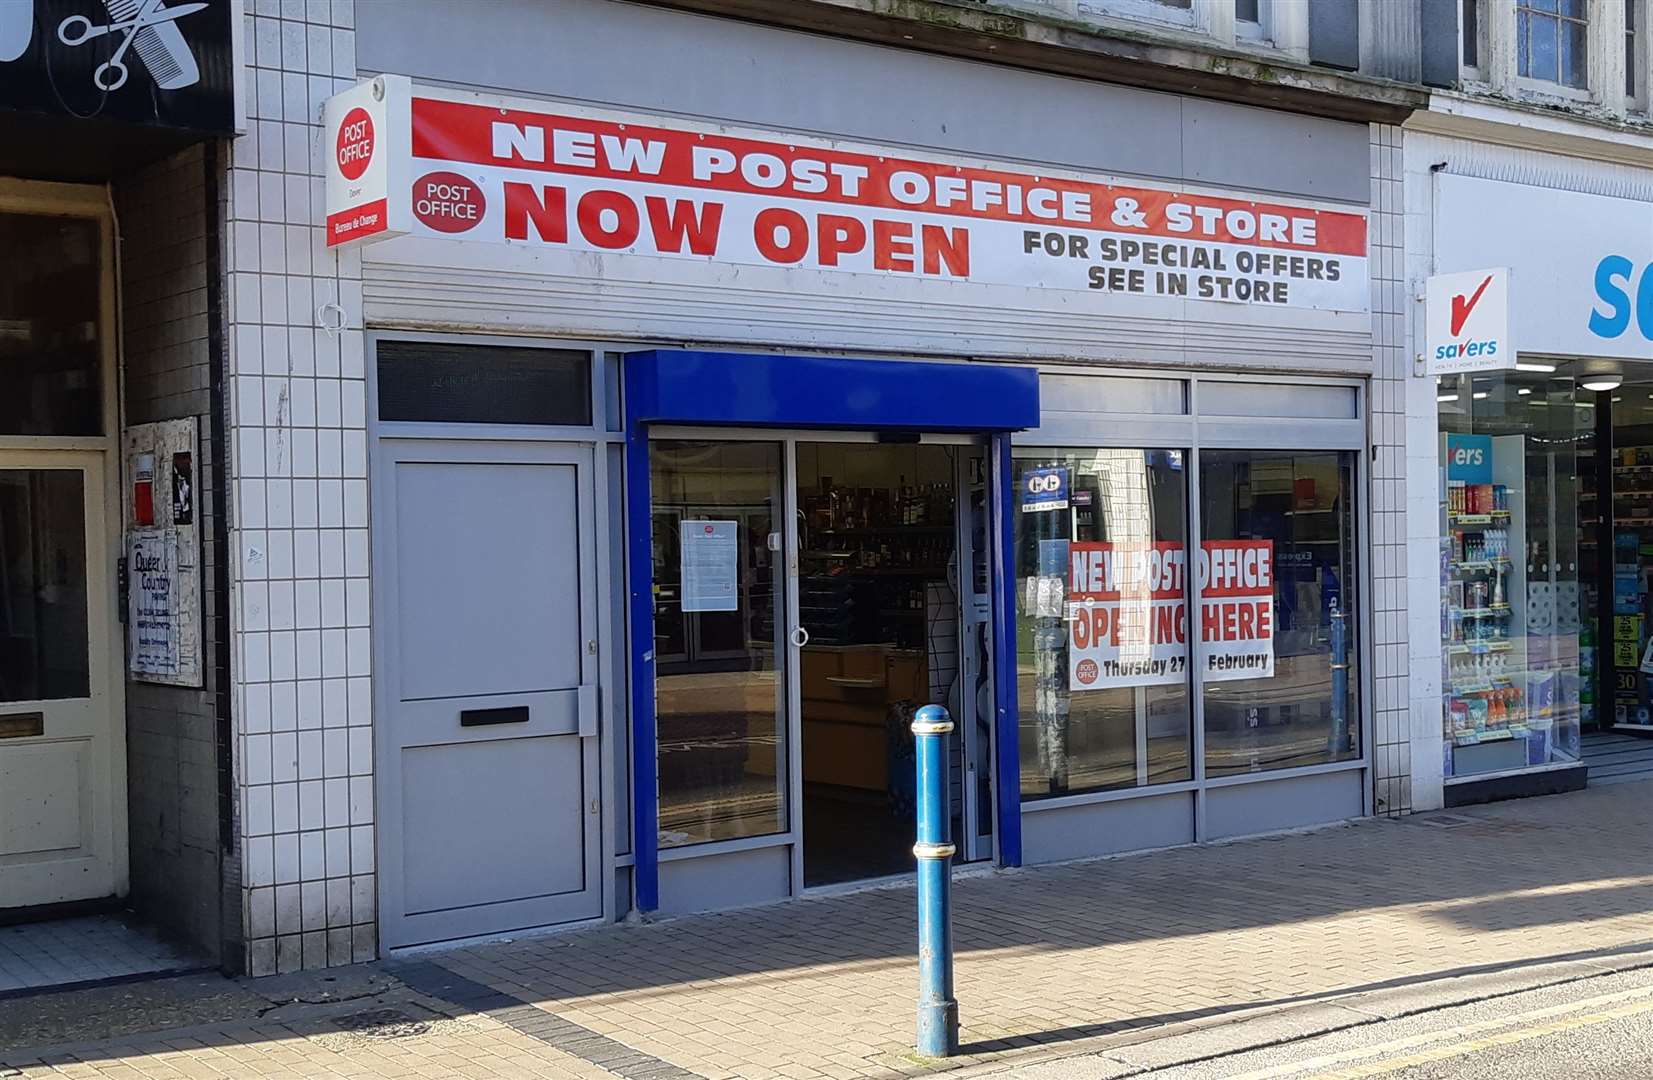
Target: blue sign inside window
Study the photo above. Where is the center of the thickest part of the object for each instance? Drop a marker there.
(1044, 489)
(1469, 458)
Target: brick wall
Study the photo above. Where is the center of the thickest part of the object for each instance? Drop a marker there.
(177, 744)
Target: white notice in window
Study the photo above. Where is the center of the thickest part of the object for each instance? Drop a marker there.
(711, 565)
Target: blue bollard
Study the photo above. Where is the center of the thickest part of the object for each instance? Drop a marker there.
(938, 1013)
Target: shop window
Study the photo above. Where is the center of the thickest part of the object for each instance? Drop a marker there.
(1551, 38)
(1101, 540)
(720, 694)
(1279, 613)
(1110, 394)
(1470, 32)
(444, 382)
(1518, 575)
(51, 354)
(1287, 400)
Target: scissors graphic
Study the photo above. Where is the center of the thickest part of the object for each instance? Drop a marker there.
(134, 19)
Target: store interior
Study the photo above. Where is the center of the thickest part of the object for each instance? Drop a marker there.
(877, 636)
(1547, 568)
(877, 596)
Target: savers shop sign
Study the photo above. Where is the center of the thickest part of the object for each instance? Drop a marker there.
(500, 171)
(1128, 613)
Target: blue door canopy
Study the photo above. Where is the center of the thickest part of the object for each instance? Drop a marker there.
(691, 386)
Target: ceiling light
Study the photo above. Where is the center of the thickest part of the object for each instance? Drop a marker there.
(1525, 365)
(1617, 399)
(1479, 394)
(1446, 397)
(1528, 390)
(1602, 382)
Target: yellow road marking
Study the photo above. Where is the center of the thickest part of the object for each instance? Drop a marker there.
(1471, 1046)
(1273, 1072)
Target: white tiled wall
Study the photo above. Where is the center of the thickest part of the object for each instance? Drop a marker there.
(299, 469)
(1391, 726)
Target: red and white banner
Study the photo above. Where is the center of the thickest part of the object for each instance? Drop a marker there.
(485, 169)
(1127, 615)
(1127, 612)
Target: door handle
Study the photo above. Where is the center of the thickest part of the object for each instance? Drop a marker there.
(800, 637)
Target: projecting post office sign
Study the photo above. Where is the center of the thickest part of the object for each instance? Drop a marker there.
(447, 164)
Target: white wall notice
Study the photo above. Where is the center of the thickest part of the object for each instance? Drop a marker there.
(163, 549)
(711, 565)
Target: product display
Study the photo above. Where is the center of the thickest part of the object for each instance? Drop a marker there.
(1509, 609)
(1486, 691)
(865, 557)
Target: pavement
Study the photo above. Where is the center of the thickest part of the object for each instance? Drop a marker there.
(1200, 953)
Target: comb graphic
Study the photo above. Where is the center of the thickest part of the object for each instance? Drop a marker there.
(160, 45)
(16, 28)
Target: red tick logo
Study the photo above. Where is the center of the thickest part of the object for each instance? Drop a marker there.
(1462, 307)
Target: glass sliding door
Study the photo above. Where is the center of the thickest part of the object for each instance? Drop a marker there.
(878, 613)
(720, 626)
(784, 693)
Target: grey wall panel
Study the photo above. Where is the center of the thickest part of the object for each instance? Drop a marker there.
(735, 879)
(1107, 828)
(414, 283)
(1228, 145)
(656, 60)
(651, 59)
(1268, 806)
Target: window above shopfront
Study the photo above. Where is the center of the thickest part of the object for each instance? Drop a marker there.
(1558, 52)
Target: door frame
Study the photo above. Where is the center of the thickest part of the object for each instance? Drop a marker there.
(52, 199)
(605, 439)
(788, 439)
(391, 450)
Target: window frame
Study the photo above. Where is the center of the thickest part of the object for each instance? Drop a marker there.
(1192, 434)
(1498, 67)
(1587, 23)
(1282, 25)
(90, 203)
(1635, 98)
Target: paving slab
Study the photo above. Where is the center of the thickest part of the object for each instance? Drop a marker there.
(1290, 934)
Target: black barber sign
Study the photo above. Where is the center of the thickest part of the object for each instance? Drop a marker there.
(158, 63)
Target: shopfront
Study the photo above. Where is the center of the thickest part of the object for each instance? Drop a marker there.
(114, 753)
(1239, 499)
(1541, 494)
(703, 447)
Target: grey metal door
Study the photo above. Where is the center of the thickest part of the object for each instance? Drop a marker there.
(484, 587)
